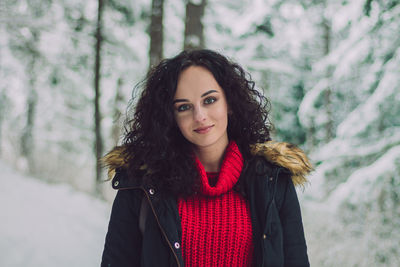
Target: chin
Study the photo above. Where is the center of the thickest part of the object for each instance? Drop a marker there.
(209, 142)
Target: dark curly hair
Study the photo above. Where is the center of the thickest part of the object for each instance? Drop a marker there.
(153, 140)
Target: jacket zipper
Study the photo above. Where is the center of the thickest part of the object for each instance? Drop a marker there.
(158, 222)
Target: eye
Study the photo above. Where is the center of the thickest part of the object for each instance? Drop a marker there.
(210, 100)
(183, 107)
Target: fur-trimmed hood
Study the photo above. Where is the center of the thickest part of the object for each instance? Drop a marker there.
(282, 154)
(287, 156)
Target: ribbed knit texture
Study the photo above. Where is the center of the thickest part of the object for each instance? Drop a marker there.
(216, 224)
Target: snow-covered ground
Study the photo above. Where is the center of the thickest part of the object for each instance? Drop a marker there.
(48, 225)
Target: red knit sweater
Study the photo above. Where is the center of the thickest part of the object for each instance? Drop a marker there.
(216, 224)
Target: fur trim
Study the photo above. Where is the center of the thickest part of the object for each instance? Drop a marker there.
(113, 160)
(283, 154)
(288, 156)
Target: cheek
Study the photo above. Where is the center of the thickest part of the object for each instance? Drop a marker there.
(221, 113)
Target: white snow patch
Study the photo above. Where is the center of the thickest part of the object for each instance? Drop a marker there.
(308, 113)
(353, 147)
(367, 113)
(360, 185)
(49, 225)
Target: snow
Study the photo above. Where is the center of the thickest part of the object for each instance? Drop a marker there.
(365, 115)
(344, 14)
(307, 111)
(352, 148)
(363, 184)
(316, 191)
(354, 171)
(174, 27)
(359, 220)
(49, 225)
(273, 65)
(348, 50)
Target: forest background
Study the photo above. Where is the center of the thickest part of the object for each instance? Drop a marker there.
(331, 69)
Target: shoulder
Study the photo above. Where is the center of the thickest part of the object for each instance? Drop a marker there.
(115, 161)
(282, 157)
(128, 199)
(119, 172)
(122, 180)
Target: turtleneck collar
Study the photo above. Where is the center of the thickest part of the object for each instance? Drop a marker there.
(229, 174)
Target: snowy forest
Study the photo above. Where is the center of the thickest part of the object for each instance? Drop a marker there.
(331, 69)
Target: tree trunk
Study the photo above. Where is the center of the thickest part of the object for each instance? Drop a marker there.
(27, 140)
(3, 103)
(97, 76)
(194, 33)
(310, 137)
(27, 143)
(118, 100)
(328, 92)
(156, 32)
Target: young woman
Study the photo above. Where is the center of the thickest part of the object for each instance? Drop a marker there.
(199, 181)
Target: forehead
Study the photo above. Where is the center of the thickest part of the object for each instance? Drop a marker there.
(195, 80)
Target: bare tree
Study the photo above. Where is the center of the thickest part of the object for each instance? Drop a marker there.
(27, 140)
(3, 110)
(194, 33)
(118, 102)
(326, 27)
(97, 77)
(156, 32)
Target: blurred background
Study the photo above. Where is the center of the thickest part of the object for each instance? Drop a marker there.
(331, 69)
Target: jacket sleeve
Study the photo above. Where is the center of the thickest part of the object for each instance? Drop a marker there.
(123, 240)
(294, 243)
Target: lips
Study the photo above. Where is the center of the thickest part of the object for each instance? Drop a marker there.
(203, 130)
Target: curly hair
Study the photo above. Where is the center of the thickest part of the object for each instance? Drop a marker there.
(153, 140)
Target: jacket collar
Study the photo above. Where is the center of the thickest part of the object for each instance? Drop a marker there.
(282, 154)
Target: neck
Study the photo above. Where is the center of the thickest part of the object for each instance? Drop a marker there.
(211, 157)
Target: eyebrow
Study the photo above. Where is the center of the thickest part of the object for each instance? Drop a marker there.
(203, 95)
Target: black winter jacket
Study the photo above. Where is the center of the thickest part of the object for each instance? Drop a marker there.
(268, 182)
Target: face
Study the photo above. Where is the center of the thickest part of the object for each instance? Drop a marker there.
(201, 109)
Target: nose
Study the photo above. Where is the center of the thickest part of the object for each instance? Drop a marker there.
(199, 114)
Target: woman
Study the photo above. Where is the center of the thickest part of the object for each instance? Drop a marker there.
(199, 181)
